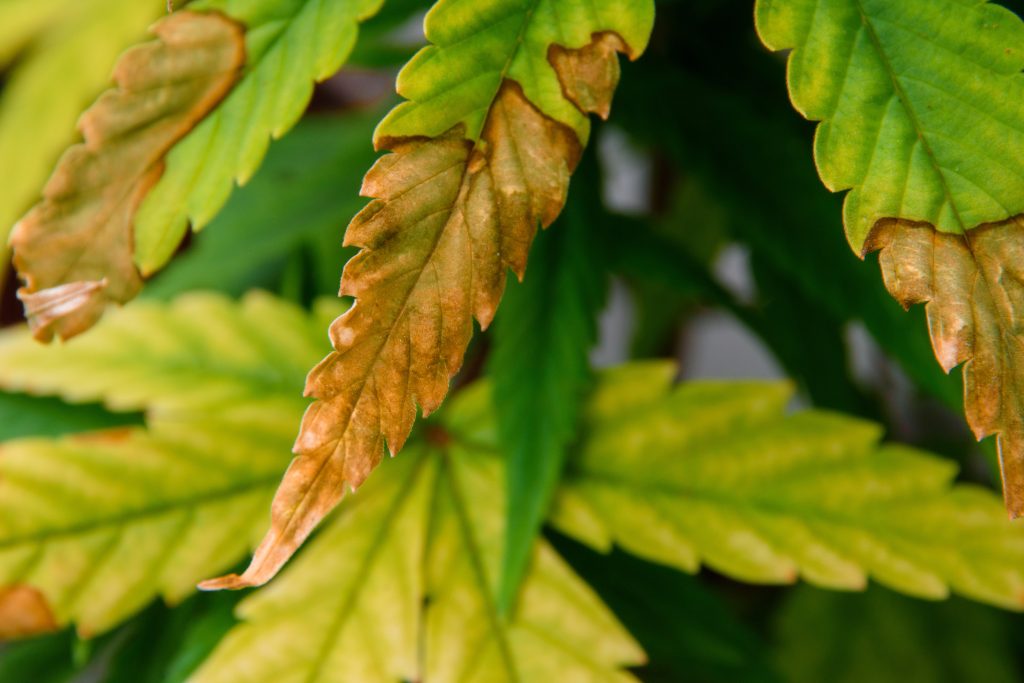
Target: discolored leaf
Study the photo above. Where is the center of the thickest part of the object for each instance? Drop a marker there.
(471, 174)
(401, 586)
(716, 474)
(74, 250)
(23, 613)
(290, 45)
(95, 526)
(920, 121)
(75, 44)
(972, 286)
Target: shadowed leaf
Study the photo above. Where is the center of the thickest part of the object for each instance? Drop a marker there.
(74, 250)
(471, 175)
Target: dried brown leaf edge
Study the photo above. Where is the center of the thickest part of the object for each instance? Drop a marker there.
(448, 218)
(74, 249)
(972, 286)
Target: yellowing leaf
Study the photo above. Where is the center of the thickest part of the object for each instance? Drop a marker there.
(74, 250)
(480, 156)
(716, 473)
(93, 527)
(100, 525)
(919, 103)
(401, 586)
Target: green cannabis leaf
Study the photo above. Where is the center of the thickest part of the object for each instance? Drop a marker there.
(918, 103)
(714, 473)
(476, 165)
(401, 586)
(541, 372)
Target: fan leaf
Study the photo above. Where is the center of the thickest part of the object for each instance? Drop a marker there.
(716, 474)
(481, 155)
(401, 586)
(92, 527)
(919, 103)
(74, 250)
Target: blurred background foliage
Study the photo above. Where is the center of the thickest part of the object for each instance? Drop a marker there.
(728, 254)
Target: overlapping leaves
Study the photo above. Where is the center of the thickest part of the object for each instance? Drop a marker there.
(480, 157)
(113, 234)
(401, 586)
(714, 473)
(918, 101)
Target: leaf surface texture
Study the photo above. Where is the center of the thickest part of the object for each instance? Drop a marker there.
(715, 473)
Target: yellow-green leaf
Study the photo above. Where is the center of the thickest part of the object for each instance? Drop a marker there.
(717, 474)
(74, 249)
(401, 586)
(92, 527)
(481, 156)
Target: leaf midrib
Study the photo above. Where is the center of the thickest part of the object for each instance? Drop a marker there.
(139, 514)
(915, 121)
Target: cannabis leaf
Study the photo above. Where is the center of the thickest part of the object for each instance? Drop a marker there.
(480, 156)
(541, 373)
(714, 473)
(71, 43)
(290, 44)
(74, 250)
(401, 586)
(93, 526)
(919, 103)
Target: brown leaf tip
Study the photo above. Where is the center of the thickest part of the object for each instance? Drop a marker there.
(972, 286)
(589, 75)
(24, 612)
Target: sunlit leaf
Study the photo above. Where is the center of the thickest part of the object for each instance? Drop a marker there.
(716, 474)
(92, 527)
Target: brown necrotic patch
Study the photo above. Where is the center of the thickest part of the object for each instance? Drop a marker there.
(973, 290)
